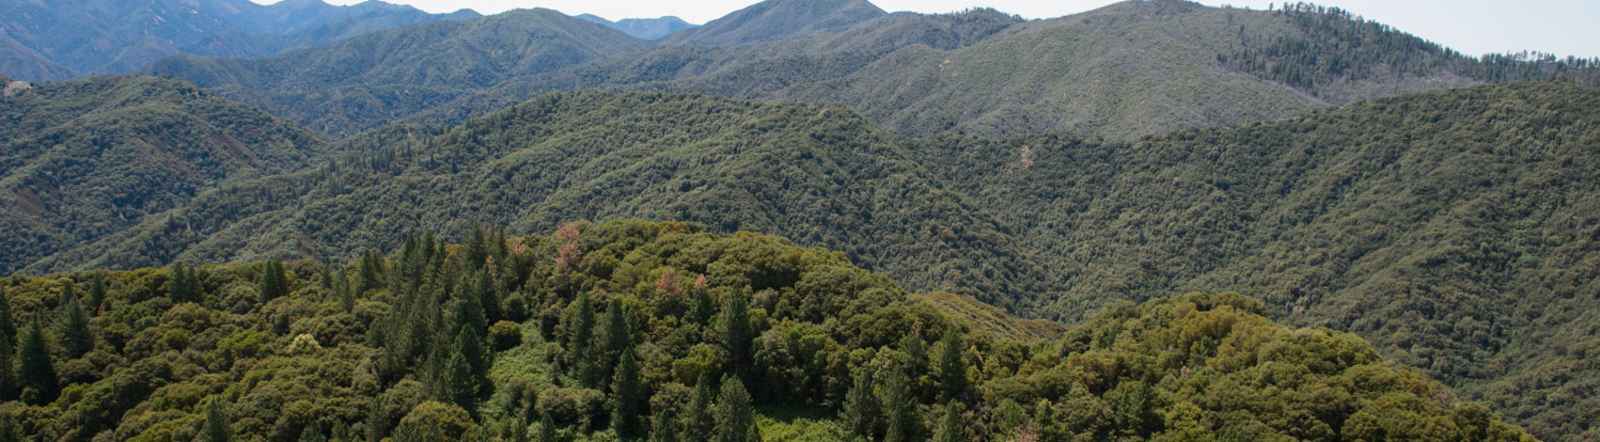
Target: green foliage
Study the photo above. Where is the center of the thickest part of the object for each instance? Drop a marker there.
(216, 429)
(401, 367)
(735, 414)
(951, 428)
(76, 339)
(274, 283)
(952, 366)
(36, 371)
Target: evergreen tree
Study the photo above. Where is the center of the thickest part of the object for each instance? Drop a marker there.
(38, 373)
(862, 412)
(611, 342)
(76, 338)
(736, 421)
(737, 334)
(477, 249)
(8, 328)
(900, 412)
(371, 273)
(547, 428)
(628, 414)
(312, 434)
(580, 335)
(327, 276)
(8, 430)
(951, 428)
(488, 294)
(952, 367)
(703, 307)
(914, 347)
(699, 419)
(347, 297)
(274, 283)
(97, 293)
(183, 286)
(460, 383)
(8, 376)
(664, 426)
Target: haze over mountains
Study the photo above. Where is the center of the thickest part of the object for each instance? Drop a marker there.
(1340, 173)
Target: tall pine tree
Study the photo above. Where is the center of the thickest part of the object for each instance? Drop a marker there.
(663, 427)
(580, 335)
(182, 285)
(736, 420)
(699, 419)
(38, 373)
(952, 367)
(737, 334)
(628, 415)
(547, 428)
(951, 428)
(76, 338)
(97, 293)
(216, 429)
(611, 342)
(8, 328)
(274, 282)
(862, 412)
(900, 412)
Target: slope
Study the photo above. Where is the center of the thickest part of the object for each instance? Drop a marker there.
(83, 159)
(779, 19)
(589, 329)
(1456, 230)
(361, 82)
(643, 28)
(66, 38)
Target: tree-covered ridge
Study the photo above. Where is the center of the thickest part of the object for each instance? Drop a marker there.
(1341, 57)
(586, 332)
(1456, 230)
(361, 82)
(83, 159)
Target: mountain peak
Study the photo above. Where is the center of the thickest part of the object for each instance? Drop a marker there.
(779, 19)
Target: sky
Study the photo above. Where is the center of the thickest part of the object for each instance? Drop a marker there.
(1563, 27)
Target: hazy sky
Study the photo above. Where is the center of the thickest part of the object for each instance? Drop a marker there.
(1564, 27)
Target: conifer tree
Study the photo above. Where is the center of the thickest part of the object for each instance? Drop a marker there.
(951, 428)
(183, 286)
(900, 409)
(862, 412)
(628, 414)
(703, 307)
(274, 283)
(611, 342)
(913, 346)
(952, 368)
(8, 376)
(8, 328)
(547, 428)
(8, 430)
(580, 335)
(663, 427)
(312, 434)
(460, 383)
(76, 338)
(38, 373)
(347, 297)
(327, 276)
(737, 334)
(736, 422)
(699, 420)
(97, 293)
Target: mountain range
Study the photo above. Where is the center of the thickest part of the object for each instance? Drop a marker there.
(61, 39)
(1341, 174)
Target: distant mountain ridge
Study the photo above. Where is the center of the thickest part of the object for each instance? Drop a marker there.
(66, 38)
(1121, 72)
(643, 28)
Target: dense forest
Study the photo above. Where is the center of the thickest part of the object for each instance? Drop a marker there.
(660, 331)
(1407, 221)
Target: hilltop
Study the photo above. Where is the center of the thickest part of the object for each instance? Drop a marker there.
(584, 333)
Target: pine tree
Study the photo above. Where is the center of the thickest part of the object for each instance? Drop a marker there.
(347, 297)
(699, 420)
(8, 376)
(736, 422)
(488, 297)
(900, 412)
(8, 328)
(216, 423)
(952, 368)
(274, 283)
(862, 412)
(703, 307)
(664, 426)
(628, 414)
(8, 430)
(312, 434)
(97, 293)
(580, 335)
(183, 286)
(460, 383)
(950, 428)
(547, 428)
(76, 338)
(913, 346)
(38, 373)
(611, 342)
(737, 334)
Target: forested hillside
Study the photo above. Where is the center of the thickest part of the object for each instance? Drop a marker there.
(364, 81)
(1128, 70)
(1409, 221)
(80, 160)
(628, 330)
(60, 39)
